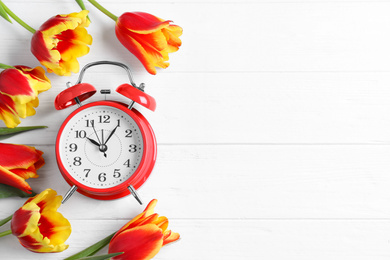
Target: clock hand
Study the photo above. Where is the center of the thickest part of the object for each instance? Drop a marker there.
(102, 147)
(112, 132)
(93, 141)
(93, 126)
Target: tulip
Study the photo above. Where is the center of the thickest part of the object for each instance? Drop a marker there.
(19, 89)
(146, 36)
(149, 38)
(38, 225)
(59, 41)
(142, 237)
(18, 163)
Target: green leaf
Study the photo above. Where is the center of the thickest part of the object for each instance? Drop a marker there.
(3, 13)
(9, 191)
(4, 221)
(101, 257)
(92, 249)
(6, 132)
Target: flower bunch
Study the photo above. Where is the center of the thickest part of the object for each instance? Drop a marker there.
(57, 45)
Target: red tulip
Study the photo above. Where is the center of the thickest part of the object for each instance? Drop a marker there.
(19, 89)
(18, 163)
(142, 237)
(60, 41)
(38, 225)
(146, 36)
(149, 38)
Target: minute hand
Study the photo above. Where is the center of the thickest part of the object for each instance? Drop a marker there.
(112, 132)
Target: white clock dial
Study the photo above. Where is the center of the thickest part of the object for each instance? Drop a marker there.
(101, 147)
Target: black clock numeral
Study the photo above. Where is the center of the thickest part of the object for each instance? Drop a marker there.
(129, 133)
(133, 148)
(119, 122)
(81, 134)
(87, 172)
(117, 174)
(77, 161)
(127, 163)
(102, 177)
(104, 119)
(89, 122)
(72, 147)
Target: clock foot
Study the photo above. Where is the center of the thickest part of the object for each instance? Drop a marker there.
(135, 194)
(69, 193)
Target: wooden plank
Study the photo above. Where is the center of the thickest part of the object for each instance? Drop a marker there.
(242, 239)
(247, 181)
(237, 108)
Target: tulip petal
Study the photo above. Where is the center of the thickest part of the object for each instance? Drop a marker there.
(171, 238)
(172, 34)
(25, 220)
(135, 48)
(11, 179)
(155, 40)
(139, 243)
(18, 156)
(162, 222)
(17, 163)
(54, 226)
(8, 111)
(142, 23)
(13, 83)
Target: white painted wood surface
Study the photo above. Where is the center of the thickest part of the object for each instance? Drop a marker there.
(272, 126)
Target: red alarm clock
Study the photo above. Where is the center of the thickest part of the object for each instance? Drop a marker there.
(105, 149)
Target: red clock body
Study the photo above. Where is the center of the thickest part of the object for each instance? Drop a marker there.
(104, 147)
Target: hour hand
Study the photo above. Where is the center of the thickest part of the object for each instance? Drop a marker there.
(93, 141)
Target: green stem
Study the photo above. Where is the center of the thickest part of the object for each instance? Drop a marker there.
(89, 251)
(103, 10)
(5, 233)
(17, 19)
(3, 221)
(5, 66)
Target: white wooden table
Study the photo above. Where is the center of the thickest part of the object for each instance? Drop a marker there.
(272, 125)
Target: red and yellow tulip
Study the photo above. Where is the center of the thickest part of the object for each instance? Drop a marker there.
(19, 89)
(149, 38)
(146, 36)
(142, 237)
(38, 225)
(60, 41)
(18, 163)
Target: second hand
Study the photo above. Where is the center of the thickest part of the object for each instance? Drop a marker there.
(102, 146)
(93, 126)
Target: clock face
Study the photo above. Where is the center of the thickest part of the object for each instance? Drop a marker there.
(101, 146)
